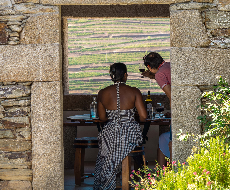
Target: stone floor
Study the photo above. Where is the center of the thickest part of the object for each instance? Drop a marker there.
(88, 183)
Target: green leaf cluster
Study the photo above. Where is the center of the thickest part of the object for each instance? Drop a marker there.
(216, 112)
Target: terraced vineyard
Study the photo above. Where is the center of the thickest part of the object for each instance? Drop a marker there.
(95, 44)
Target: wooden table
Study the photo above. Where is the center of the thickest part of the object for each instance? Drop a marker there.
(77, 120)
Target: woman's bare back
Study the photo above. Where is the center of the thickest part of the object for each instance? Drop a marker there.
(127, 97)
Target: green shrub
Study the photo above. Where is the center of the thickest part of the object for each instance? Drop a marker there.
(206, 168)
(216, 112)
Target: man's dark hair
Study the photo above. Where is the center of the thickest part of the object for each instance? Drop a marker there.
(117, 71)
(153, 59)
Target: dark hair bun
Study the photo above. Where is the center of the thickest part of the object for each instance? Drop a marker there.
(117, 71)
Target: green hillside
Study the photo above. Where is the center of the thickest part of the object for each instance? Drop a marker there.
(94, 44)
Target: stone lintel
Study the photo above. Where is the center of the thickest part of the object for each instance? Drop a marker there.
(185, 100)
(109, 2)
(199, 66)
(23, 63)
(46, 109)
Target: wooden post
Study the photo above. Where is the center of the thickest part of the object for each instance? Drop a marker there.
(126, 167)
(79, 165)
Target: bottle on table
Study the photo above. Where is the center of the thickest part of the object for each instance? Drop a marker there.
(93, 109)
(148, 104)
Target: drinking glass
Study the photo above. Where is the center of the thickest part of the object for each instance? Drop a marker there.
(142, 68)
(160, 109)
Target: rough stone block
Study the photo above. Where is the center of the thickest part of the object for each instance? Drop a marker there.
(16, 174)
(46, 108)
(12, 160)
(23, 133)
(15, 185)
(14, 145)
(15, 102)
(203, 1)
(4, 36)
(26, 1)
(184, 116)
(217, 19)
(220, 32)
(199, 66)
(35, 8)
(12, 18)
(7, 11)
(30, 63)
(41, 29)
(15, 112)
(49, 177)
(224, 5)
(1, 109)
(191, 6)
(6, 133)
(5, 4)
(14, 91)
(15, 122)
(187, 29)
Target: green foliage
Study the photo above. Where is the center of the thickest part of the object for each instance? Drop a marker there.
(85, 74)
(206, 168)
(111, 58)
(216, 112)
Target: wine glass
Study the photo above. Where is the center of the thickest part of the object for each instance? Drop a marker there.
(142, 68)
(160, 109)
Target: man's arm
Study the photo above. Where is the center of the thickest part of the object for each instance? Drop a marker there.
(148, 74)
(167, 90)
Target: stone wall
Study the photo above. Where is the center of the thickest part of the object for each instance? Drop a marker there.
(15, 136)
(31, 116)
(200, 52)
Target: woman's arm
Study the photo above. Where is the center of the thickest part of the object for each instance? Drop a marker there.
(100, 108)
(139, 104)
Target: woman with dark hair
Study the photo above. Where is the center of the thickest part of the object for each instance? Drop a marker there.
(121, 133)
(161, 71)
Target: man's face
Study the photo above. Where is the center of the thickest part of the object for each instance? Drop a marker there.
(152, 70)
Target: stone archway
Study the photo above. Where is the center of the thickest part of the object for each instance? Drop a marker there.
(30, 46)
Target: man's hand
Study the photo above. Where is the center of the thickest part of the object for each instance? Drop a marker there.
(148, 74)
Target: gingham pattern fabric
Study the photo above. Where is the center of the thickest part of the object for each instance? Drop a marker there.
(117, 139)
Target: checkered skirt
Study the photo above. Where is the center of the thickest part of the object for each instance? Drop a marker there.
(117, 139)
